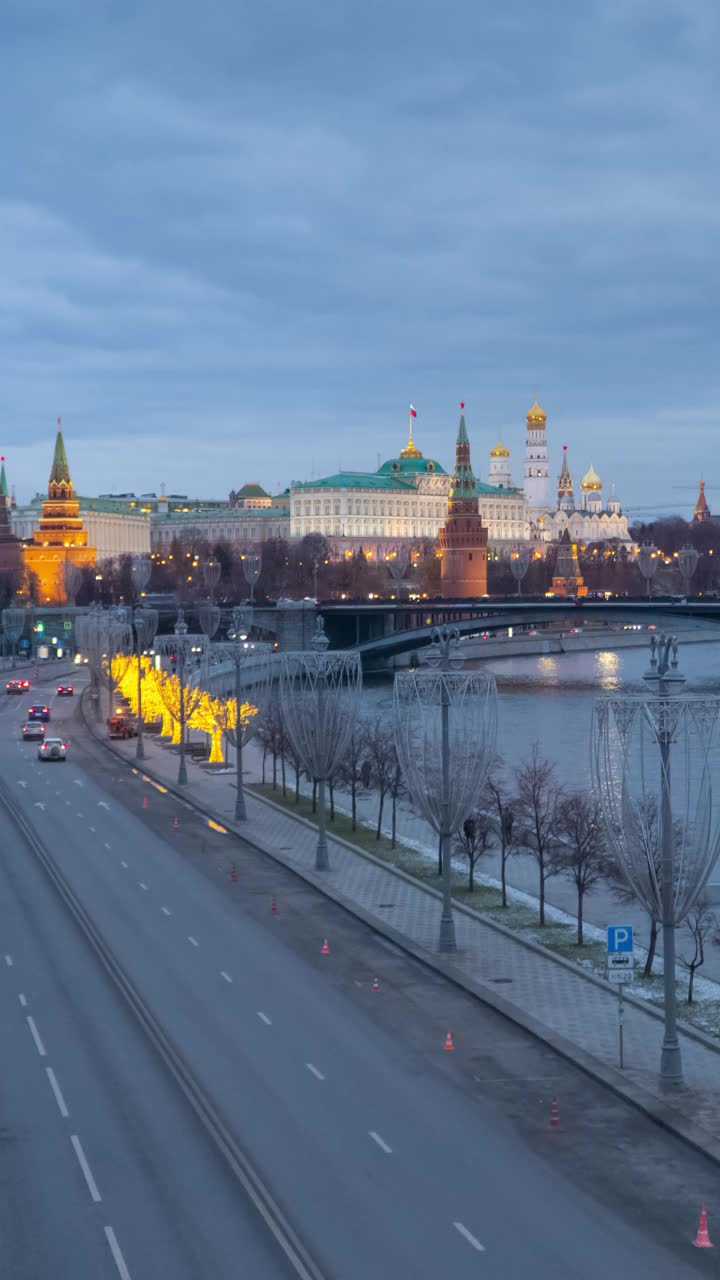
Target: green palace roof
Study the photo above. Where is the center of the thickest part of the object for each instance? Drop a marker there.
(497, 490)
(359, 480)
(411, 467)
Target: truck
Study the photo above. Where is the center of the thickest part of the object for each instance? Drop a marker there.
(121, 724)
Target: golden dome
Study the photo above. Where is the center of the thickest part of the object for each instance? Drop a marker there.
(536, 414)
(591, 482)
(500, 451)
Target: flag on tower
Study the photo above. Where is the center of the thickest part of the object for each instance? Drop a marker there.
(413, 413)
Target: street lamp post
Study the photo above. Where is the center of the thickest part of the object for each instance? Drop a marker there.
(145, 622)
(519, 562)
(445, 729)
(184, 648)
(653, 762)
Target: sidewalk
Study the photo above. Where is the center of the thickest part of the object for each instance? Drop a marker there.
(576, 1014)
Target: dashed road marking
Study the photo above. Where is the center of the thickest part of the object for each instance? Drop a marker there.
(62, 1105)
(117, 1254)
(36, 1037)
(381, 1142)
(123, 864)
(87, 1171)
(143, 886)
(165, 911)
(264, 1018)
(9, 961)
(194, 941)
(313, 1069)
(22, 1000)
(468, 1235)
(225, 975)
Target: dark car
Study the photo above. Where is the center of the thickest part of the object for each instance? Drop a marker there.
(33, 731)
(65, 690)
(39, 713)
(17, 686)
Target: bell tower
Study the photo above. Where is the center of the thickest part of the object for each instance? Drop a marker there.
(463, 537)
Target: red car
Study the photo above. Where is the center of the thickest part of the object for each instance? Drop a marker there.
(65, 690)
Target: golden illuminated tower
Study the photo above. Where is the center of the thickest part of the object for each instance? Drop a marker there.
(463, 537)
(60, 537)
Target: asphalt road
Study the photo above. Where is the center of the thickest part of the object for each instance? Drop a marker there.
(390, 1157)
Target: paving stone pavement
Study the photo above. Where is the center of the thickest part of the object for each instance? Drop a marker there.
(539, 986)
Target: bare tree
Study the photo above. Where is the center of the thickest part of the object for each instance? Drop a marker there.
(352, 770)
(538, 805)
(473, 840)
(702, 924)
(396, 789)
(498, 798)
(647, 832)
(381, 758)
(583, 856)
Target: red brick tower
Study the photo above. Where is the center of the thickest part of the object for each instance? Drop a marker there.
(463, 537)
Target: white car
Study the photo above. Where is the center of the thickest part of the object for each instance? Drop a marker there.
(53, 749)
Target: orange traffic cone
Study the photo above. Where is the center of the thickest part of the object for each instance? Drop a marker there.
(702, 1239)
(325, 950)
(274, 907)
(233, 873)
(448, 1042)
(376, 984)
(175, 824)
(554, 1114)
(144, 802)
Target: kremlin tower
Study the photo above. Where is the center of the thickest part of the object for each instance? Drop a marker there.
(702, 510)
(565, 495)
(567, 579)
(10, 552)
(60, 536)
(463, 537)
(591, 488)
(536, 482)
(499, 475)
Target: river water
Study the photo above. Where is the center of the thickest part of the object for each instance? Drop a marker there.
(549, 698)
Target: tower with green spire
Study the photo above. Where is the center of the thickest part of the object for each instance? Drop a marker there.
(59, 538)
(463, 537)
(10, 547)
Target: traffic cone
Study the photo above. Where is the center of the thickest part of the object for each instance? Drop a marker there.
(144, 802)
(448, 1042)
(702, 1239)
(554, 1114)
(376, 984)
(274, 907)
(325, 950)
(175, 824)
(233, 873)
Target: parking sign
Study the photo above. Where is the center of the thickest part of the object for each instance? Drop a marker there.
(620, 938)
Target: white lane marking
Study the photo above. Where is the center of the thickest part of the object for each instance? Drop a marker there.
(34, 1033)
(117, 1254)
(318, 1074)
(9, 961)
(92, 829)
(143, 886)
(264, 1018)
(193, 940)
(62, 1105)
(225, 975)
(107, 846)
(87, 1171)
(123, 864)
(103, 805)
(468, 1235)
(24, 784)
(165, 911)
(67, 801)
(22, 1000)
(380, 1141)
(77, 782)
(39, 805)
(81, 815)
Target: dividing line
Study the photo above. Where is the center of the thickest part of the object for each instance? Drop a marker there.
(9, 961)
(58, 1093)
(381, 1143)
(193, 940)
(123, 864)
(116, 1253)
(143, 886)
(34, 1033)
(225, 975)
(22, 1000)
(468, 1235)
(165, 911)
(264, 1018)
(318, 1074)
(107, 846)
(87, 1171)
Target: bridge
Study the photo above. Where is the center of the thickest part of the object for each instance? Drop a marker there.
(382, 630)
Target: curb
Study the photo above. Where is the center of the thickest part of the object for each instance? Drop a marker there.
(663, 1114)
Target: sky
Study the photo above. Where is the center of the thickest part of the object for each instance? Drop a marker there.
(236, 241)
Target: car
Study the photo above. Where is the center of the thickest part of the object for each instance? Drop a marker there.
(32, 731)
(53, 749)
(17, 686)
(39, 713)
(65, 690)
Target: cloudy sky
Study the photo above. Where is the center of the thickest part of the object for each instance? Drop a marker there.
(236, 240)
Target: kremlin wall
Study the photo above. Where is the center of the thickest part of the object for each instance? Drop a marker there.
(409, 499)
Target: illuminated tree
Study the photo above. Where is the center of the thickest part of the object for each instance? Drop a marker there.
(182, 702)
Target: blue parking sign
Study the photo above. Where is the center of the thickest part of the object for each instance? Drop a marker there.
(619, 938)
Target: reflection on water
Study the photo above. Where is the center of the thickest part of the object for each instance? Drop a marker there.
(549, 698)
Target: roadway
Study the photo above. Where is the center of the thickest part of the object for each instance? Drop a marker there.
(388, 1157)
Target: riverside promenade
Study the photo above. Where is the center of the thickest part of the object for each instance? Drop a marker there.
(573, 1011)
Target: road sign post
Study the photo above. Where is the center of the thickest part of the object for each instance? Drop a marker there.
(621, 960)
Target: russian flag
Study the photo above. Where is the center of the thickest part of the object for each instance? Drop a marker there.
(413, 413)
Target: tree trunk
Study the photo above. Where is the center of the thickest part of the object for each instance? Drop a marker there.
(393, 842)
(353, 804)
(263, 764)
(332, 799)
(274, 756)
(314, 798)
(471, 877)
(691, 984)
(282, 772)
(541, 861)
(440, 866)
(581, 896)
(503, 882)
(652, 945)
(378, 832)
(297, 783)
